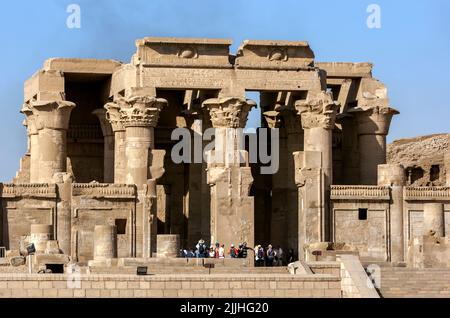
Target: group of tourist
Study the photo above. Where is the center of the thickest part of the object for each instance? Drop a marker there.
(268, 256)
(201, 250)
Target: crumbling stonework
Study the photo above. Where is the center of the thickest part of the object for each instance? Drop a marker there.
(100, 173)
(422, 157)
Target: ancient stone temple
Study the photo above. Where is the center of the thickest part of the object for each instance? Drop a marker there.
(100, 181)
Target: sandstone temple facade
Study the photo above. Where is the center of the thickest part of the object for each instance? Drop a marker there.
(98, 163)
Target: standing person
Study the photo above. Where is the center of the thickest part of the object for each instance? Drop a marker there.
(279, 256)
(290, 256)
(216, 250)
(244, 250)
(270, 255)
(222, 251)
(200, 249)
(240, 251)
(212, 253)
(256, 255)
(233, 251)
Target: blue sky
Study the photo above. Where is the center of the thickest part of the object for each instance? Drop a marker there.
(411, 50)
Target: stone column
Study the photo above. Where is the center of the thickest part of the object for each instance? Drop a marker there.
(139, 116)
(52, 119)
(40, 234)
(232, 209)
(33, 142)
(113, 115)
(318, 116)
(105, 242)
(394, 176)
(433, 219)
(108, 152)
(168, 245)
(373, 125)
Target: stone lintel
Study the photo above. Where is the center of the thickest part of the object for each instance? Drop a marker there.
(183, 52)
(346, 69)
(82, 66)
(254, 54)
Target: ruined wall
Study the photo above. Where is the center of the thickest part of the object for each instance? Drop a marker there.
(422, 157)
(103, 204)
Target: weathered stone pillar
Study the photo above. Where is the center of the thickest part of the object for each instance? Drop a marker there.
(52, 119)
(433, 219)
(108, 147)
(318, 116)
(113, 115)
(232, 209)
(373, 125)
(105, 242)
(33, 143)
(168, 245)
(139, 116)
(393, 175)
(40, 234)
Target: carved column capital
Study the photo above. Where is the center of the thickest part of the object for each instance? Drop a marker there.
(318, 111)
(104, 122)
(113, 116)
(52, 114)
(229, 112)
(373, 119)
(140, 111)
(30, 120)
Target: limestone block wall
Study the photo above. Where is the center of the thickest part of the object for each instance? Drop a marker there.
(133, 286)
(360, 216)
(103, 204)
(22, 205)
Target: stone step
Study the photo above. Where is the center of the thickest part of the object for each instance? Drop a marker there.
(409, 282)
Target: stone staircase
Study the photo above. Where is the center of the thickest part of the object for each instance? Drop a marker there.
(402, 282)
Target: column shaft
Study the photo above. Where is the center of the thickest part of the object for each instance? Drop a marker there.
(433, 219)
(52, 154)
(139, 142)
(372, 149)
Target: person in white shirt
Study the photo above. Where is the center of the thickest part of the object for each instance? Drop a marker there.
(222, 251)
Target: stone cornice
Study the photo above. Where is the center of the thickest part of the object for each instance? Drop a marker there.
(27, 190)
(104, 190)
(52, 114)
(229, 112)
(318, 111)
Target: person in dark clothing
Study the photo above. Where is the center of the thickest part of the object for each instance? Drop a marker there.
(270, 256)
(290, 256)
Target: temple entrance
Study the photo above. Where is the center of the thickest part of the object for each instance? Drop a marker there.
(85, 140)
(183, 203)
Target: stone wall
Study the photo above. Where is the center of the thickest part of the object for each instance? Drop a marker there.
(361, 218)
(132, 286)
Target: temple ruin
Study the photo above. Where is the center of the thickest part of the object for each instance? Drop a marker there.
(97, 182)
